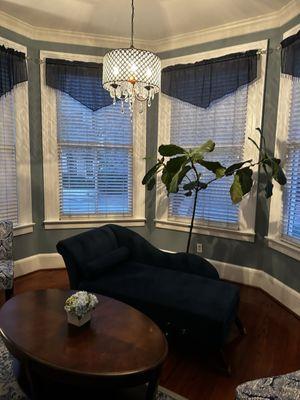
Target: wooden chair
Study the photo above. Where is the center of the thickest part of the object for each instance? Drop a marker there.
(6, 260)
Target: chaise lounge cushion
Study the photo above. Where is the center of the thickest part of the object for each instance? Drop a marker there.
(204, 305)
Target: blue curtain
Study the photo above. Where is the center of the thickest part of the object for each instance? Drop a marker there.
(290, 55)
(208, 80)
(81, 80)
(13, 69)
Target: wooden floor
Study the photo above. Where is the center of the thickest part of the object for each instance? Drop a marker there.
(272, 345)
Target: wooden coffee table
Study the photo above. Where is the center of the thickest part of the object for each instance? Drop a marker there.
(120, 347)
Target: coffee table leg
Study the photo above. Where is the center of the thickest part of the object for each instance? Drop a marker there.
(153, 385)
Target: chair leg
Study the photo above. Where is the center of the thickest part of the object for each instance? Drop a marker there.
(240, 326)
(9, 293)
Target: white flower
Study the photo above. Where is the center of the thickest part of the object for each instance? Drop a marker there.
(80, 303)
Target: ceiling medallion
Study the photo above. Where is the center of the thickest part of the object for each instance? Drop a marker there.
(131, 74)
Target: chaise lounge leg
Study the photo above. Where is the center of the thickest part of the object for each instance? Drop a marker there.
(240, 326)
(226, 367)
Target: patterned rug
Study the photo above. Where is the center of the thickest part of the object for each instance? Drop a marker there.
(10, 390)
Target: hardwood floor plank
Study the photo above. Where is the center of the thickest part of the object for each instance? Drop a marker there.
(271, 346)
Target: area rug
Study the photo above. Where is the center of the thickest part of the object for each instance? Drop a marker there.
(10, 390)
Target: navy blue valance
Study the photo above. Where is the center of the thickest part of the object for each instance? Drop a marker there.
(13, 69)
(81, 80)
(208, 80)
(290, 55)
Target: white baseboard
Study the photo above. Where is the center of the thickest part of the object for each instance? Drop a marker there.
(287, 296)
(38, 262)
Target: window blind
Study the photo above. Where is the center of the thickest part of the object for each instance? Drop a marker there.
(8, 170)
(224, 122)
(291, 197)
(95, 159)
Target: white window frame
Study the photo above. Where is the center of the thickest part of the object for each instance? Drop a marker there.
(247, 213)
(53, 220)
(274, 237)
(25, 223)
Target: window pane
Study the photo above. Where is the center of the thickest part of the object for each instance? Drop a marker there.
(95, 153)
(8, 170)
(291, 198)
(224, 122)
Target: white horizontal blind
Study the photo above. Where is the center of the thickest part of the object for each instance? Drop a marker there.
(225, 123)
(95, 159)
(291, 198)
(8, 170)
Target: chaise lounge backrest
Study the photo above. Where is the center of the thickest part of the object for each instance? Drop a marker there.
(78, 250)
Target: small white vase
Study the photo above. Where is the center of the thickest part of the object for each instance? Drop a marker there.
(72, 319)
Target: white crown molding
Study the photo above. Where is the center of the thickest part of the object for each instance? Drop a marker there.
(287, 296)
(243, 27)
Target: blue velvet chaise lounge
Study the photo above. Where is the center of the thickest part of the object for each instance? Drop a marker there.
(182, 290)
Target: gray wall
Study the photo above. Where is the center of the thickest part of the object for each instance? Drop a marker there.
(256, 255)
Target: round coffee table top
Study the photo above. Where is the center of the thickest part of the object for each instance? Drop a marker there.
(119, 340)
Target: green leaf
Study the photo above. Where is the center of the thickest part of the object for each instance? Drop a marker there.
(231, 170)
(151, 183)
(215, 167)
(183, 173)
(176, 163)
(197, 153)
(242, 184)
(277, 171)
(178, 177)
(269, 189)
(190, 185)
(170, 150)
(151, 173)
(188, 194)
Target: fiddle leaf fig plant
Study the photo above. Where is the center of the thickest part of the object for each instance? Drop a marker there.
(181, 168)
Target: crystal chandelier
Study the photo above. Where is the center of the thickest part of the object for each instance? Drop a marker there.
(131, 74)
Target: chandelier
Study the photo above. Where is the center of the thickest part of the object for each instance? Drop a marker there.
(131, 74)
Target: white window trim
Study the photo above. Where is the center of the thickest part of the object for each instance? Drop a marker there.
(254, 120)
(25, 224)
(274, 238)
(50, 157)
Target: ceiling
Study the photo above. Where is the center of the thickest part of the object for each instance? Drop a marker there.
(155, 19)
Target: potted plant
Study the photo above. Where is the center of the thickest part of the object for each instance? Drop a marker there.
(180, 168)
(79, 307)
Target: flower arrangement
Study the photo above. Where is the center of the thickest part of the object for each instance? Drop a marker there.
(79, 305)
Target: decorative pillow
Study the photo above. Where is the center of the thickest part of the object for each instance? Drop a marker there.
(95, 268)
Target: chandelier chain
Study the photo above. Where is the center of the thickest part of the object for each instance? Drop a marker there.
(132, 21)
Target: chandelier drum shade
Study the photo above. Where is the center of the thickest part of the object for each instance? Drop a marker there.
(131, 74)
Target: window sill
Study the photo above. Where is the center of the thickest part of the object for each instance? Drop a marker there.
(92, 223)
(23, 229)
(289, 249)
(207, 230)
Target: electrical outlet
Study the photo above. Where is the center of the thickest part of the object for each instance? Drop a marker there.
(199, 247)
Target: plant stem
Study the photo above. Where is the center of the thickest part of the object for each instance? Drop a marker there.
(192, 221)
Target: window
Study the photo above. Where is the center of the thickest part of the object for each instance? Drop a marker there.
(93, 160)
(291, 196)
(225, 123)
(8, 175)
(228, 121)
(15, 181)
(284, 223)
